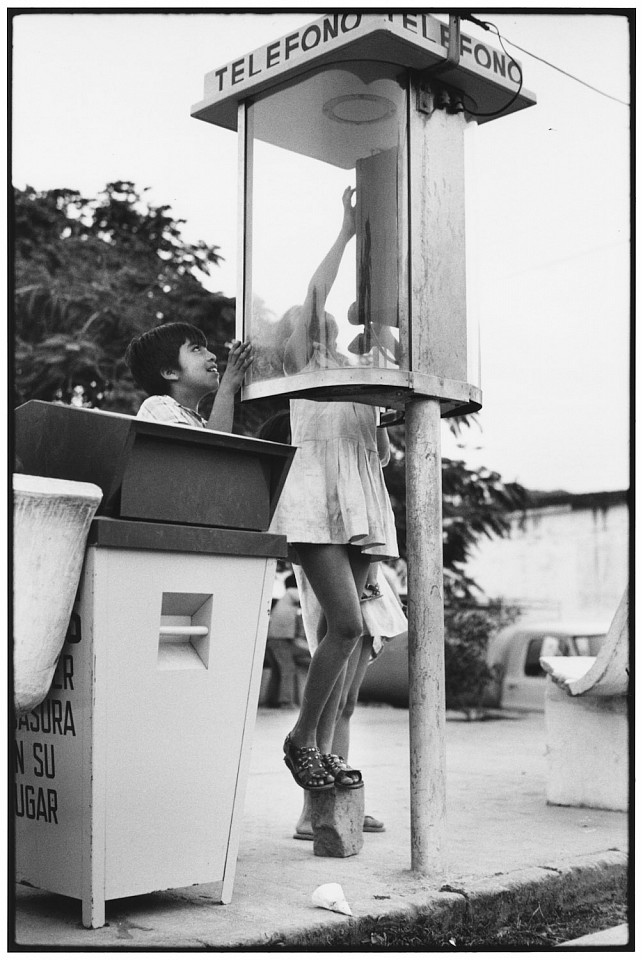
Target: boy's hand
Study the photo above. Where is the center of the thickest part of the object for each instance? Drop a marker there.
(239, 359)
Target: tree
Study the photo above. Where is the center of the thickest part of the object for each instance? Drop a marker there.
(467, 674)
(89, 274)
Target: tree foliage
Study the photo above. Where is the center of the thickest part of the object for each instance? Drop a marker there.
(89, 274)
(467, 674)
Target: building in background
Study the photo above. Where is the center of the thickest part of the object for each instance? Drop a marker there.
(566, 556)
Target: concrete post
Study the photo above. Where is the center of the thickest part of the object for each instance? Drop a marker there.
(426, 636)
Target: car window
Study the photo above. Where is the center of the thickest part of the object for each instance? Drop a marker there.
(547, 646)
(532, 660)
(588, 646)
(581, 645)
(595, 644)
(553, 647)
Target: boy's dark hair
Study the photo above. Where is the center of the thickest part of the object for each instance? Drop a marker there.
(158, 349)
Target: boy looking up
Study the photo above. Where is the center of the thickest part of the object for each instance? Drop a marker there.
(173, 365)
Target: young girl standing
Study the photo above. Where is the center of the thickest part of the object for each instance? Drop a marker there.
(337, 517)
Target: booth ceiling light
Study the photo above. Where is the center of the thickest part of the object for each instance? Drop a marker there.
(359, 108)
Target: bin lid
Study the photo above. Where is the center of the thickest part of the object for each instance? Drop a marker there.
(155, 471)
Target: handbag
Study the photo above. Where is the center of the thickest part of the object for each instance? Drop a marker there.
(381, 610)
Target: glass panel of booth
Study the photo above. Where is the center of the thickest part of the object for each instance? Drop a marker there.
(474, 219)
(341, 300)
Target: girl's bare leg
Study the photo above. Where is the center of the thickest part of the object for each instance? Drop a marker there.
(304, 824)
(337, 574)
(344, 710)
(354, 676)
(326, 725)
(336, 704)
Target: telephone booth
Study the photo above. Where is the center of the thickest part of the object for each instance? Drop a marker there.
(371, 304)
(386, 104)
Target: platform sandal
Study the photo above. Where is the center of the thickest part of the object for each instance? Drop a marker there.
(344, 776)
(305, 764)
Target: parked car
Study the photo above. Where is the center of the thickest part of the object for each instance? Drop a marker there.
(514, 651)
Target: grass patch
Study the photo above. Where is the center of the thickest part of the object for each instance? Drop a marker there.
(542, 927)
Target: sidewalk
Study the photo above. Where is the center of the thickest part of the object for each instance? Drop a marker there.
(505, 845)
(614, 937)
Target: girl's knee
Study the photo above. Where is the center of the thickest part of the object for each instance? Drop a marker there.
(348, 630)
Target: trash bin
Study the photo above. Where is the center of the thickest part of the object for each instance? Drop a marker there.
(130, 776)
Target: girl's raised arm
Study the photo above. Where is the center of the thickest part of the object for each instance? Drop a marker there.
(311, 327)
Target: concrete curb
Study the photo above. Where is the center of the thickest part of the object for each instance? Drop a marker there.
(458, 906)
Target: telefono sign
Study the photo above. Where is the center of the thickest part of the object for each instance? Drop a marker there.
(416, 41)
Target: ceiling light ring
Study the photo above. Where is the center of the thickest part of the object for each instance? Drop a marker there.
(330, 108)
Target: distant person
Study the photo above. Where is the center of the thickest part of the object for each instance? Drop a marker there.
(173, 364)
(284, 629)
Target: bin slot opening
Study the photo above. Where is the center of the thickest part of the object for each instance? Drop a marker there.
(184, 631)
(180, 633)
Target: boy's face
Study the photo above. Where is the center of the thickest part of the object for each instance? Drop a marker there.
(197, 367)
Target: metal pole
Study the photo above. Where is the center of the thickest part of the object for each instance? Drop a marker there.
(426, 636)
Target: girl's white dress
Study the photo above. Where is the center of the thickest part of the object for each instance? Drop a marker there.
(335, 490)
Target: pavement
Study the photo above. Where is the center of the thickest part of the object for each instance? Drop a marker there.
(508, 851)
(614, 937)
